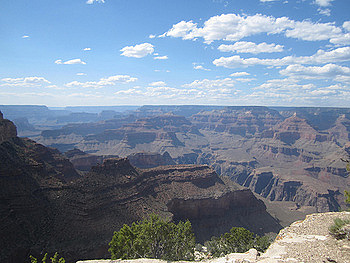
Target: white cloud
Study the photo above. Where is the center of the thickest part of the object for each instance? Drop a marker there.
(233, 27)
(25, 36)
(157, 83)
(103, 82)
(81, 74)
(200, 67)
(161, 57)
(325, 12)
(245, 79)
(152, 36)
(182, 29)
(250, 47)
(137, 51)
(211, 84)
(89, 2)
(306, 30)
(264, 1)
(346, 26)
(289, 92)
(341, 40)
(336, 72)
(131, 91)
(320, 57)
(25, 82)
(71, 62)
(239, 74)
(87, 49)
(323, 3)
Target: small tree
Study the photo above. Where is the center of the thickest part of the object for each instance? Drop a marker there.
(238, 240)
(154, 238)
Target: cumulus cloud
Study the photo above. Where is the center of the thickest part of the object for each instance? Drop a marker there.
(81, 74)
(306, 30)
(211, 84)
(25, 36)
(183, 29)
(195, 92)
(346, 25)
(234, 27)
(250, 47)
(157, 83)
(137, 51)
(323, 3)
(289, 92)
(152, 36)
(200, 67)
(325, 12)
(320, 57)
(76, 61)
(245, 79)
(103, 82)
(335, 72)
(161, 57)
(239, 74)
(90, 2)
(25, 82)
(87, 49)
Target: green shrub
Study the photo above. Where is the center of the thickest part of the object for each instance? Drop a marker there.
(154, 238)
(54, 259)
(337, 229)
(238, 240)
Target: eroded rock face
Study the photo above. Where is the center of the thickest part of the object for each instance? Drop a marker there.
(293, 129)
(46, 206)
(237, 120)
(7, 129)
(150, 160)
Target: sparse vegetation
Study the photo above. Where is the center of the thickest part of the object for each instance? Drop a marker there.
(154, 238)
(54, 259)
(238, 240)
(340, 229)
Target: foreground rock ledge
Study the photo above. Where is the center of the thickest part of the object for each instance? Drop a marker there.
(303, 241)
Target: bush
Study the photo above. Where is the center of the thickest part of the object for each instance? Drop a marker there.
(54, 259)
(238, 240)
(154, 238)
(338, 229)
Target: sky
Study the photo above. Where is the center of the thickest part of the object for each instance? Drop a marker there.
(175, 52)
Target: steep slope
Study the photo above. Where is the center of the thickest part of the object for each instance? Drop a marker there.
(46, 206)
(303, 160)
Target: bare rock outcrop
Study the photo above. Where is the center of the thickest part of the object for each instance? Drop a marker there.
(7, 129)
(46, 205)
(150, 160)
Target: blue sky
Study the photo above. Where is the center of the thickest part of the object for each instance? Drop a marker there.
(136, 52)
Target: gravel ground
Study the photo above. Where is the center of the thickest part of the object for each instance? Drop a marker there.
(310, 241)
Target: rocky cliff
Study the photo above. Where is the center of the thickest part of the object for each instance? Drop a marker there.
(7, 129)
(150, 160)
(301, 147)
(45, 205)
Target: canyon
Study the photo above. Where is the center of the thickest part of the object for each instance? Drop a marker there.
(48, 205)
(282, 154)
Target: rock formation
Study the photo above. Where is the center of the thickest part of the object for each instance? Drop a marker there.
(7, 129)
(45, 205)
(150, 160)
(301, 148)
